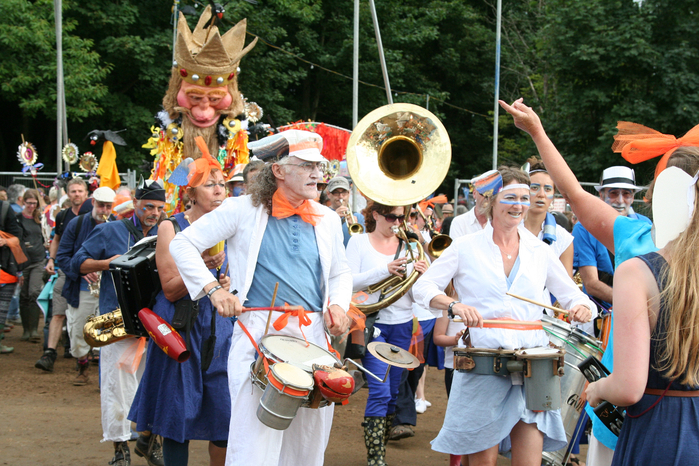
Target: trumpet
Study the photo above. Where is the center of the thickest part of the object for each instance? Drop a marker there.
(439, 242)
(353, 227)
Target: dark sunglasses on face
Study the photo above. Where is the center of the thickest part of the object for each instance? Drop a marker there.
(390, 218)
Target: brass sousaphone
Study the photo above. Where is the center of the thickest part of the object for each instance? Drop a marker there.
(397, 155)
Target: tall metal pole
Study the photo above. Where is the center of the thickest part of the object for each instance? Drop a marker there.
(496, 110)
(386, 82)
(60, 98)
(355, 68)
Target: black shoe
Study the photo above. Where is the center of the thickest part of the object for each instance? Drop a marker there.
(46, 360)
(150, 449)
(122, 455)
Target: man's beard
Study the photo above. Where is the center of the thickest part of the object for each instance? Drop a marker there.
(191, 131)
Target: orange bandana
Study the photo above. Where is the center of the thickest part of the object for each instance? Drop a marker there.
(281, 208)
(638, 143)
(201, 168)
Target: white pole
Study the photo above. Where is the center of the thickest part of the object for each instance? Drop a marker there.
(386, 82)
(355, 68)
(60, 98)
(496, 111)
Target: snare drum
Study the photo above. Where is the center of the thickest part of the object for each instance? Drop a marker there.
(578, 346)
(296, 352)
(484, 361)
(542, 368)
(287, 389)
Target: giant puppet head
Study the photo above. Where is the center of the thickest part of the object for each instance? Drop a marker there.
(203, 84)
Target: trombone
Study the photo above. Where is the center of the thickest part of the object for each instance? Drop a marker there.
(353, 227)
(439, 242)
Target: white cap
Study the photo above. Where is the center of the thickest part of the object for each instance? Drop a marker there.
(304, 145)
(104, 194)
(618, 177)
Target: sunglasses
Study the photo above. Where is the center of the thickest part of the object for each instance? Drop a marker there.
(390, 218)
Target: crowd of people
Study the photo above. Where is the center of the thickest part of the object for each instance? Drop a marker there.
(285, 222)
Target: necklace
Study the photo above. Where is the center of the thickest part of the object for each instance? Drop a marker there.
(509, 256)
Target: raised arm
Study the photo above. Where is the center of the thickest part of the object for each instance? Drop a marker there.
(592, 212)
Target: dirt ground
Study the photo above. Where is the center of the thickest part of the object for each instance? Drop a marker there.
(46, 421)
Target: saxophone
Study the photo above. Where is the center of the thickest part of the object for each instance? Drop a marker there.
(94, 287)
(105, 329)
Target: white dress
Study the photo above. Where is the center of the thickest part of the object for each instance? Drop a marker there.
(483, 409)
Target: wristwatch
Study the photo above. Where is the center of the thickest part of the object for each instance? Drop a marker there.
(450, 312)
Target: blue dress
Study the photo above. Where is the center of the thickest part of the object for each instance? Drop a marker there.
(668, 434)
(178, 400)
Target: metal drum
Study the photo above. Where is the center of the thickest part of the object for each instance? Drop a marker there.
(296, 352)
(484, 361)
(578, 346)
(542, 368)
(287, 389)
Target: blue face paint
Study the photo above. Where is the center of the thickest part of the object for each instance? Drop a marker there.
(237, 191)
(524, 203)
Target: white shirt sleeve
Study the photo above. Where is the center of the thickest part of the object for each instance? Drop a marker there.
(340, 277)
(433, 282)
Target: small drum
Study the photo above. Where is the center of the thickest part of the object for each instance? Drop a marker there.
(287, 389)
(578, 346)
(542, 368)
(296, 352)
(484, 361)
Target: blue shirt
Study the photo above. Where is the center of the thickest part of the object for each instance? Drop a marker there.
(345, 231)
(288, 255)
(590, 252)
(105, 241)
(71, 240)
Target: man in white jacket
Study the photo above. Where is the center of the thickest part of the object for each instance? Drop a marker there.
(275, 234)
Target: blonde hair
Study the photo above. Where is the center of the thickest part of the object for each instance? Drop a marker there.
(678, 354)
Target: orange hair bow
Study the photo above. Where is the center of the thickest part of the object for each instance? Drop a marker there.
(441, 199)
(638, 143)
(201, 168)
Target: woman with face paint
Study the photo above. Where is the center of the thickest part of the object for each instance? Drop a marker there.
(540, 221)
(486, 414)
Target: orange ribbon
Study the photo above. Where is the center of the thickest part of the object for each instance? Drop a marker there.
(357, 325)
(296, 311)
(520, 325)
(201, 168)
(441, 199)
(638, 143)
(131, 357)
(13, 244)
(417, 344)
(282, 208)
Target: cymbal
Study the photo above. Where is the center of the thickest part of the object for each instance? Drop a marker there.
(392, 355)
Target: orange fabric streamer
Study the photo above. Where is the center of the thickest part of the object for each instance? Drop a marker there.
(131, 358)
(638, 143)
(107, 169)
(282, 208)
(357, 325)
(521, 325)
(441, 199)
(13, 244)
(201, 168)
(417, 344)
(297, 311)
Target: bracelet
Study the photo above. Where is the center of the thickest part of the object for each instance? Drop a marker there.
(213, 290)
(52, 258)
(450, 312)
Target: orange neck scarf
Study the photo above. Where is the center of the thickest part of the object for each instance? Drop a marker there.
(282, 208)
(638, 143)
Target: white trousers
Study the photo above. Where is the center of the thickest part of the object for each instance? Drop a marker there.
(117, 389)
(77, 316)
(597, 453)
(249, 441)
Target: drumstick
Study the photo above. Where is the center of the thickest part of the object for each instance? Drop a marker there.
(506, 322)
(274, 298)
(555, 309)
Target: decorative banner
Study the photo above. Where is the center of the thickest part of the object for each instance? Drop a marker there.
(26, 153)
(88, 162)
(70, 153)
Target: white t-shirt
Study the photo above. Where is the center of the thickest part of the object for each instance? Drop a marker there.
(369, 267)
(563, 239)
(464, 225)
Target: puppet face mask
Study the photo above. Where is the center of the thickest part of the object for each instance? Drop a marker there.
(204, 104)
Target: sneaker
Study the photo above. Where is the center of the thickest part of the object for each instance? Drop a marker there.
(150, 449)
(428, 404)
(6, 349)
(46, 360)
(420, 406)
(122, 455)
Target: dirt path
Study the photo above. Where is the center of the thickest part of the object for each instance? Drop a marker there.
(46, 421)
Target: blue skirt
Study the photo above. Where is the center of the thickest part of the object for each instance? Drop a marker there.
(178, 401)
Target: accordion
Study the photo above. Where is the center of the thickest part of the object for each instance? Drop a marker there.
(137, 283)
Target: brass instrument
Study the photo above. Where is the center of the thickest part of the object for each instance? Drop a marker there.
(404, 154)
(94, 287)
(105, 329)
(353, 227)
(439, 242)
